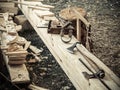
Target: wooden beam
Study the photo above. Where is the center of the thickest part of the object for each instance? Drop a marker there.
(70, 62)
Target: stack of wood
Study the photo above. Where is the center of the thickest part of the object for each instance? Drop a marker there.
(13, 43)
(12, 49)
(16, 52)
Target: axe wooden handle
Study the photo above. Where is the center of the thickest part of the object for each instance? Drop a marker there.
(89, 59)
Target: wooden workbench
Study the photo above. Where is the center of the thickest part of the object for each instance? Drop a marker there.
(70, 62)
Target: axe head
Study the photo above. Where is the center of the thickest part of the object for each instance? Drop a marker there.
(71, 49)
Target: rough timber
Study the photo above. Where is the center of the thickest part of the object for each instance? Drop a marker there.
(69, 62)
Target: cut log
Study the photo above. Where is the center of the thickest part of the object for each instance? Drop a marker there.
(33, 87)
(68, 13)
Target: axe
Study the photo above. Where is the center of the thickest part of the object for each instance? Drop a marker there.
(99, 72)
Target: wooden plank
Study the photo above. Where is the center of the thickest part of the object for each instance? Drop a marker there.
(67, 60)
(43, 13)
(38, 8)
(33, 87)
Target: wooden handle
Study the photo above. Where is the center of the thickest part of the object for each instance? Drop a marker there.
(88, 58)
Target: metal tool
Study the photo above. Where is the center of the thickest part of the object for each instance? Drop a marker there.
(71, 28)
(65, 24)
(99, 72)
(99, 75)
